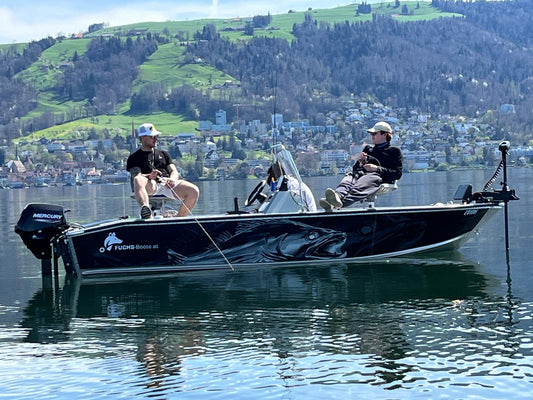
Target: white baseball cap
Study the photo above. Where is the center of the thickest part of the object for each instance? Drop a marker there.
(147, 130)
(380, 127)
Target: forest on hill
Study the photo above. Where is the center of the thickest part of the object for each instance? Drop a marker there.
(444, 66)
(466, 65)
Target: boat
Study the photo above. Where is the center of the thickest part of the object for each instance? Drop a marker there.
(278, 225)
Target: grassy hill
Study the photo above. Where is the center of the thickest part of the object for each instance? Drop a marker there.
(281, 24)
(166, 64)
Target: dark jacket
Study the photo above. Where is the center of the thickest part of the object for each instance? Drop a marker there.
(389, 160)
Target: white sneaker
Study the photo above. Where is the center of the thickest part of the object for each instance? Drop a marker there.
(333, 198)
(325, 205)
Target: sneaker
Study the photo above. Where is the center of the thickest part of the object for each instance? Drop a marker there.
(146, 213)
(333, 198)
(325, 205)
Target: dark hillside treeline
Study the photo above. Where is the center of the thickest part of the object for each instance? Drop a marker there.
(12, 62)
(505, 19)
(16, 97)
(448, 65)
(105, 72)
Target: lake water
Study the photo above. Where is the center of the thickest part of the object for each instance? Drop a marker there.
(456, 326)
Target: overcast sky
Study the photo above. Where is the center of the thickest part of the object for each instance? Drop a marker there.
(26, 20)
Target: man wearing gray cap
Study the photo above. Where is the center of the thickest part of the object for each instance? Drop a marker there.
(377, 164)
(153, 172)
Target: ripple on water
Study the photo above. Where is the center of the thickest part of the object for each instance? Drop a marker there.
(434, 347)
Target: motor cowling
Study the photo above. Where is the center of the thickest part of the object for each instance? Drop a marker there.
(38, 225)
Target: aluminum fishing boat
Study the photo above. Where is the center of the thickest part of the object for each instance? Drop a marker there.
(279, 225)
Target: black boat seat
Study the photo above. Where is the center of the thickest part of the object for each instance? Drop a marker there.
(159, 204)
(163, 206)
(384, 188)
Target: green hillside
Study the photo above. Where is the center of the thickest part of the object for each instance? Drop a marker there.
(281, 24)
(166, 64)
(114, 125)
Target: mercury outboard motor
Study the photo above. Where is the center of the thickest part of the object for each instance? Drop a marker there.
(38, 225)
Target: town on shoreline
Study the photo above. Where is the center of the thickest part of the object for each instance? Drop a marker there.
(238, 150)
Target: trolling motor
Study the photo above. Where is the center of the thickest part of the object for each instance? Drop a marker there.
(504, 195)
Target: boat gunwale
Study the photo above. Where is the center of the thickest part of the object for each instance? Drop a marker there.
(78, 229)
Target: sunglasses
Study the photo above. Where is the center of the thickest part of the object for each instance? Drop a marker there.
(374, 133)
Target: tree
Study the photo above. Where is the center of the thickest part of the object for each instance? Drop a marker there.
(249, 29)
(240, 171)
(175, 152)
(238, 153)
(308, 163)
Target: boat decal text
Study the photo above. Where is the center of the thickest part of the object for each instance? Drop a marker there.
(113, 243)
(46, 217)
(470, 212)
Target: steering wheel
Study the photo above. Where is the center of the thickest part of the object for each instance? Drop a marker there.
(254, 195)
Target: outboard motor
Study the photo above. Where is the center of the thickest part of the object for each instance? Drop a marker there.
(38, 225)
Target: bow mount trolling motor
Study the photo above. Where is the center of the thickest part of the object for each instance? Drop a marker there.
(505, 194)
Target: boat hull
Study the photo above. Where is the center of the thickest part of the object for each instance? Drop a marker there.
(231, 241)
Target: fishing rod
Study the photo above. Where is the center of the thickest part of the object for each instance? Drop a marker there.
(163, 180)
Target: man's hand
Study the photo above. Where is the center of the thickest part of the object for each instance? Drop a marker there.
(371, 168)
(155, 174)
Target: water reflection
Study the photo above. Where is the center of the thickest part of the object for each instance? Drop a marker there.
(377, 311)
(445, 328)
(298, 288)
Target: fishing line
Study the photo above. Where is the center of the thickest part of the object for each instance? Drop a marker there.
(191, 214)
(203, 229)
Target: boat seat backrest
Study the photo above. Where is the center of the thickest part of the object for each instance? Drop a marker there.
(384, 188)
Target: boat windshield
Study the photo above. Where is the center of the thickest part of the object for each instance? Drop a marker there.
(284, 157)
(289, 172)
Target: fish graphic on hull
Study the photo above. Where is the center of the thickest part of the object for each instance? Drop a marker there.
(269, 242)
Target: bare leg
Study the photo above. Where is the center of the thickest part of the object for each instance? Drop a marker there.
(142, 188)
(188, 193)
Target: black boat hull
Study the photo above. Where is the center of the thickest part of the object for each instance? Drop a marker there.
(231, 241)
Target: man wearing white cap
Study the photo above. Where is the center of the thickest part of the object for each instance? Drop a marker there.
(377, 164)
(153, 172)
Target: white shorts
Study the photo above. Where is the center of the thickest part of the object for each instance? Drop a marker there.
(163, 189)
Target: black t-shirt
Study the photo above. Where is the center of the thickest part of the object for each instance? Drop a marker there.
(149, 160)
